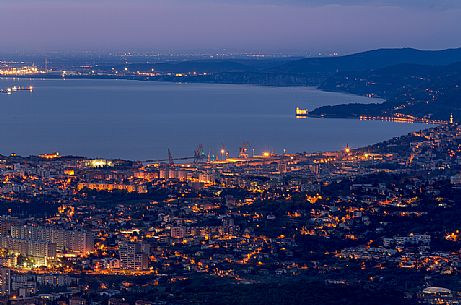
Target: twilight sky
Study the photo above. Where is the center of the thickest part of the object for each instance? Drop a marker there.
(254, 25)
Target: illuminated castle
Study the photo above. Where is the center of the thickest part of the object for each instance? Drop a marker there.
(301, 112)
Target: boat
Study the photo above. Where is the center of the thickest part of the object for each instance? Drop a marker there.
(14, 89)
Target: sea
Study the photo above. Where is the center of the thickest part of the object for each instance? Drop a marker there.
(142, 120)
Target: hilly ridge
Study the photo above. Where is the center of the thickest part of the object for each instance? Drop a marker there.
(370, 60)
(419, 90)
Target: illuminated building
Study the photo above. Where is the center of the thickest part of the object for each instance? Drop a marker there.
(55, 280)
(5, 281)
(282, 167)
(69, 172)
(112, 263)
(181, 175)
(40, 251)
(301, 113)
(206, 178)
(164, 173)
(436, 295)
(75, 241)
(98, 163)
(112, 187)
(24, 285)
(178, 232)
(132, 256)
(148, 176)
(9, 261)
(51, 156)
(14, 71)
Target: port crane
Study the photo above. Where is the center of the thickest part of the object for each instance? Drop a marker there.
(199, 155)
(170, 158)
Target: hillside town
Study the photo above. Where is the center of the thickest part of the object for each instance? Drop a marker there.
(93, 231)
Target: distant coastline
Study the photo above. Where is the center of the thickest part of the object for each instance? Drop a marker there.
(416, 84)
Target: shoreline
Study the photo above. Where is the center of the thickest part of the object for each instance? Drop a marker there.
(393, 119)
(56, 155)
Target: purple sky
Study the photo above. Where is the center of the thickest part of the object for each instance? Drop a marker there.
(256, 25)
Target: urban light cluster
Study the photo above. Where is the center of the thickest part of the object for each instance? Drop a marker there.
(20, 71)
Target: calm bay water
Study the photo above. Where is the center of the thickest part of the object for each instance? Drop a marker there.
(141, 120)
